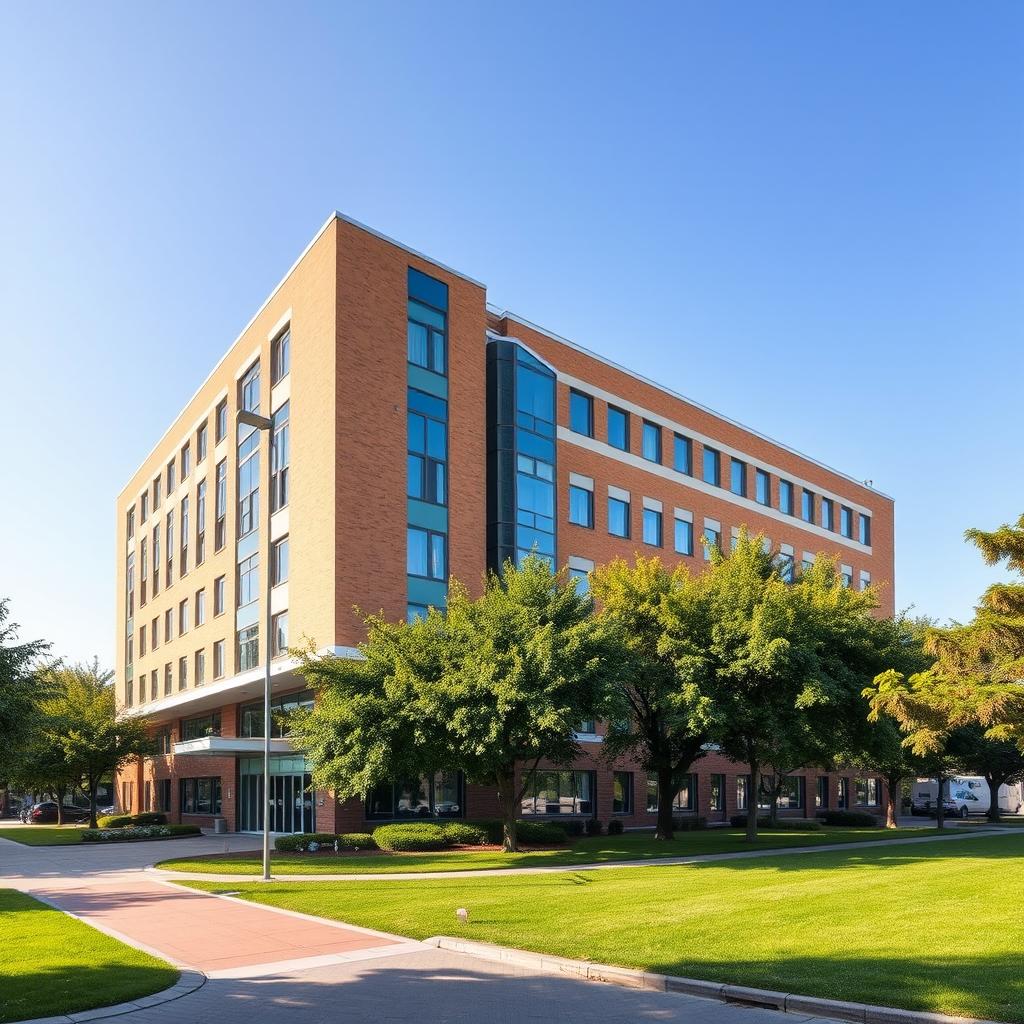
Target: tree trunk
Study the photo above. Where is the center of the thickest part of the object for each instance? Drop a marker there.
(890, 803)
(60, 793)
(940, 816)
(773, 809)
(92, 807)
(507, 802)
(993, 796)
(755, 788)
(665, 798)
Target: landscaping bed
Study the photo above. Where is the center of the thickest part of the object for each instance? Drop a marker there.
(139, 833)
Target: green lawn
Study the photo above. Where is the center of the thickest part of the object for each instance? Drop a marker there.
(43, 835)
(597, 850)
(935, 926)
(54, 964)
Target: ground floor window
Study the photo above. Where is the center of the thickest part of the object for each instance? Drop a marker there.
(869, 792)
(559, 793)
(685, 798)
(742, 792)
(148, 796)
(842, 793)
(163, 794)
(821, 796)
(622, 793)
(127, 796)
(430, 796)
(791, 796)
(200, 796)
(717, 800)
(198, 728)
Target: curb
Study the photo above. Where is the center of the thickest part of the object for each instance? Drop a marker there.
(859, 1013)
(189, 981)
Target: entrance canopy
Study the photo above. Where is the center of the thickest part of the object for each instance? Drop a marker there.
(231, 746)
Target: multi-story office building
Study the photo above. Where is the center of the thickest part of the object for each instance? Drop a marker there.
(418, 434)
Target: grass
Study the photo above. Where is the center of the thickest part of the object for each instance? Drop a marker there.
(595, 850)
(928, 927)
(52, 963)
(43, 835)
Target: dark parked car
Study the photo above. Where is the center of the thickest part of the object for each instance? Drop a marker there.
(45, 813)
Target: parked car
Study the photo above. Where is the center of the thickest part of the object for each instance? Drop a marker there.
(13, 809)
(45, 813)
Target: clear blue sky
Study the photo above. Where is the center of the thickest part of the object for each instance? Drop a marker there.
(805, 215)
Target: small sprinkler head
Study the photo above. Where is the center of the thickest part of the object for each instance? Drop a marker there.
(463, 915)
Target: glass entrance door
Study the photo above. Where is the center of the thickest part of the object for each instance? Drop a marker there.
(292, 808)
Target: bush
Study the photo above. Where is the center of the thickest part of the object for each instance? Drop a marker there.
(310, 842)
(857, 818)
(574, 826)
(615, 827)
(126, 820)
(691, 823)
(541, 833)
(783, 824)
(356, 841)
(410, 837)
(466, 833)
(127, 833)
(593, 827)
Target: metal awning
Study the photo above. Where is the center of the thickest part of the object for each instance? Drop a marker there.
(231, 746)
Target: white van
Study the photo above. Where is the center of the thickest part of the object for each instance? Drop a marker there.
(964, 795)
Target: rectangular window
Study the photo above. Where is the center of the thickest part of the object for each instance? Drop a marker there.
(581, 577)
(184, 531)
(683, 537)
(869, 792)
(429, 796)
(581, 413)
(763, 485)
(171, 477)
(742, 792)
(144, 503)
(712, 541)
(427, 457)
(716, 801)
(280, 459)
(248, 484)
(156, 493)
(807, 506)
(221, 421)
(618, 517)
(200, 796)
(622, 793)
(200, 663)
(865, 530)
(186, 460)
(182, 673)
(415, 612)
(684, 800)
(846, 521)
(828, 514)
(427, 322)
(163, 795)
(201, 523)
(786, 565)
(791, 796)
(154, 634)
(279, 632)
(218, 595)
(220, 507)
(652, 527)
(170, 548)
(142, 641)
(168, 625)
(248, 648)
(846, 577)
(651, 447)
(280, 355)
(559, 792)
(581, 506)
(786, 497)
(279, 562)
(201, 726)
(156, 560)
(738, 477)
(168, 679)
(218, 659)
(712, 467)
(201, 442)
(682, 454)
(183, 623)
(821, 792)
(249, 580)
(618, 428)
(281, 708)
(154, 691)
(425, 554)
(130, 525)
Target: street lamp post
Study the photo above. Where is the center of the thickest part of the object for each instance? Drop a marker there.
(253, 419)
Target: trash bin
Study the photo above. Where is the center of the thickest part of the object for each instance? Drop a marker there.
(220, 826)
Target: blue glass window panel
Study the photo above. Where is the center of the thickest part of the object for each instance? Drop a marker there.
(581, 413)
(652, 527)
(682, 455)
(764, 492)
(536, 495)
(437, 556)
(786, 497)
(712, 539)
(535, 394)
(684, 537)
(618, 517)
(433, 406)
(417, 433)
(846, 521)
(526, 538)
(618, 428)
(415, 476)
(538, 447)
(582, 580)
(807, 506)
(581, 506)
(416, 552)
(417, 338)
(414, 612)
(712, 467)
(828, 519)
(652, 442)
(437, 439)
(440, 483)
(865, 530)
(738, 481)
(427, 289)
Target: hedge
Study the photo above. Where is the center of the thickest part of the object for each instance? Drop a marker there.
(409, 837)
(126, 820)
(857, 818)
(465, 833)
(783, 824)
(310, 842)
(125, 834)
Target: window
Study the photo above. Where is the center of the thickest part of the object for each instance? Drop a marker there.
(200, 664)
(186, 460)
(712, 467)
(218, 595)
(249, 483)
(218, 659)
(156, 493)
(716, 801)
(249, 580)
(842, 793)
(683, 537)
(200, 796)
(558, 792)
(144, 566)
(581, 413)
(846, 521)
(622, 793)
(280, 355)
(279, 562)
(183, 623)
(154, 635)
(712, 541)
(427, 458)
(682, 454)
(581, 506)
(249, 390)
(535, 511)
(182, 673)
(279, 459)
(742, 792)
(427, 323)
(201, 523)
(168, 625)
(201, 442)
(430, 796)
(144, 503)
(581, 577)
(685, 798)
(168, 679)
(153, 686)
(129, 584)
(821, 792)
(651, 442)
(828, 514)
(220, 507)
(163, 795)
(130, 524)
(652, 527)
(142, 641)
(786, 497)
(618, 428)
(791, 795)
(865, 579)
(281, 708)
(865, 530)
(785, 564)
(846, 576)
(221, 421)
(248, 647)
(279, 633)
(171, 477)
(618, 517)
(415, 612)
(156, 560)
(170, 548)
(163, 742)
(869, 792)
(763, 487)
(807, 506)
(738, 477)
(184, 531)
(425, 554)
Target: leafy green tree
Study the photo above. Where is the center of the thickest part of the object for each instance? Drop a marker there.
(18, 689)
(658, 709)
(998, 761)
(42, 766)
(493, 683)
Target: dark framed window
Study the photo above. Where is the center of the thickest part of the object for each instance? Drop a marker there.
(842, 793)
(786, 497)
(426, 554)
(427, 322)
(249, 580)
(163, 795)
(712, 467)
(581, 413)
(785, 564)
(682, 454)
(201, 522)
(201, 726)
(220, 508)
(427, 459)
(248, 647)
(716, 800)
(279, 562)
(651, 442)
(738, 477)
(201, 796)
(684, 800)
(581, 506)
(281, 355)
(201, 442)
(821, 792)
(440, 795)
(163, 742)
(652, 527)
(807, 506)
(618, 517)
(865, 530)
(869, 792)
(846, 521)
(712, 540)
(581, 577)
(559, 792)
(828, 514)
(280, 458)
(281, 708)
(221, 421)
(186, 459)
(618, 428)
(763, 487)
(683, 537)
(622, 793)
(791, 797)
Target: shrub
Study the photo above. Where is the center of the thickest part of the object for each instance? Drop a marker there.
(299, 843)
(594, 827)
(615, 827)
(783, 824)
(574, 826)
(465, 833)
(356, 841)
(541, 833)
(127, 833)
(409, 837)
(860, 818)
(126, 820)
(691, 823)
